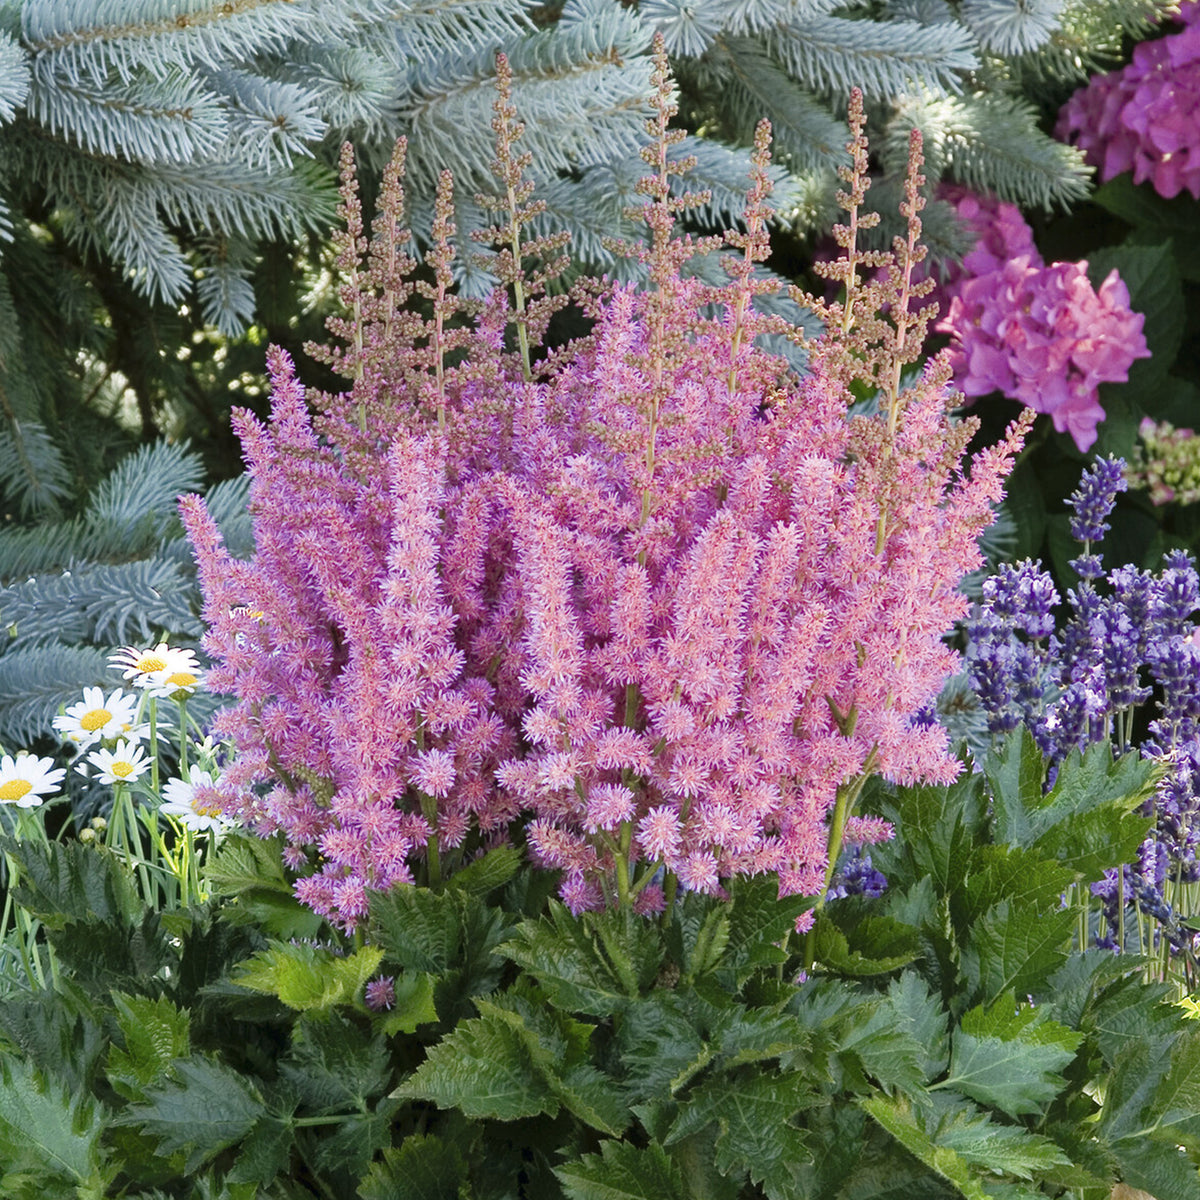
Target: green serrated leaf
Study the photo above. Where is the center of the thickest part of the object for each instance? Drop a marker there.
(63, 1037)
(1092, 781)
(586, 964)
(661, 1044)
(888, 1052)
(759, 921)
(245, 864)
(1130, 1012)
(209, 949)
(1135, 1076)
(486, 874)
(273, 914)
(265, 1153)
(1158, 1167)
(919, 1013)
(423, 1168)
(307, 978)
(101, 957)
(940, 827)
(1087, 975)
(1010, 1058)
(344, 1154)
(898, 1117)
(249, 872)
(915, 905)
(452, 936)
(333, 1065)
(1012, 873)
(1015, 773)
(998, 1149)
(414, 1005)
(748, 1035)
(1176, 1099)
(47, 1129)
(752, 1112)
(558, 1047)
(622, 1171)
(484, 1067)
(704, 942)
(203, 1108)
(65, 882)
(1091, 842)
(155, 1032)
(876, 945)
(1015, 949)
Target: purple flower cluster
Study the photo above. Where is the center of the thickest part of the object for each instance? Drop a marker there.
(1128, 638)
(1040, 334)
(1145, 118)
(654, 596)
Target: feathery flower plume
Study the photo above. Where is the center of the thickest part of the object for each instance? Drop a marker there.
(649, 592)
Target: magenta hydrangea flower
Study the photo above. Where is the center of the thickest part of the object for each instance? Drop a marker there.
(1145, 118)
(1040, 334)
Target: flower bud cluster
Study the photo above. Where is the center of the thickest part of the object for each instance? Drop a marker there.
(1145, 118)
(1041, 334)
(1166, 463)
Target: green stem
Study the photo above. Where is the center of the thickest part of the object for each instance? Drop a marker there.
(153, 711)
(183, 741)
(312, 1122)
(433, 860)
(670, 887)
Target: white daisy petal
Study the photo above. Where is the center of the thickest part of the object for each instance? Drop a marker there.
(179, 803)
(96, 718)
(139, 665)
(26, 780)
(124, 764)
(173, 684)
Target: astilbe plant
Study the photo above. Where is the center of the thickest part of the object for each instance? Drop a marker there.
(649, 592)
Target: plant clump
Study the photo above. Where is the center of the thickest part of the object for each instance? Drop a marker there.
(648, 601)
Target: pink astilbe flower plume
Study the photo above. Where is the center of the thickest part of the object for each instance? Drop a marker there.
(649, 593)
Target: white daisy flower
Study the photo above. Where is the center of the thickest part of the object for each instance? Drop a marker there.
(142, 665)
(95, 718)
(173, 685)
(179, 803)
(26, 780)
(122, 765)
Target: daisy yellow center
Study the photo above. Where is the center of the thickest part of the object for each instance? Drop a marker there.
(149, 663)
(181, 679)
(206, 810)
(14, 789)
(95, 719)
(122, 769)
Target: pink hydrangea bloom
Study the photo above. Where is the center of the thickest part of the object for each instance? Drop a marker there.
(1145, 118)
(1039, 334)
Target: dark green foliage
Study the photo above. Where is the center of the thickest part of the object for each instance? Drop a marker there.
(949, 1041)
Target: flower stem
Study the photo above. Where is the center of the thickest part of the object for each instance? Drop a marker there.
(153, 713)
